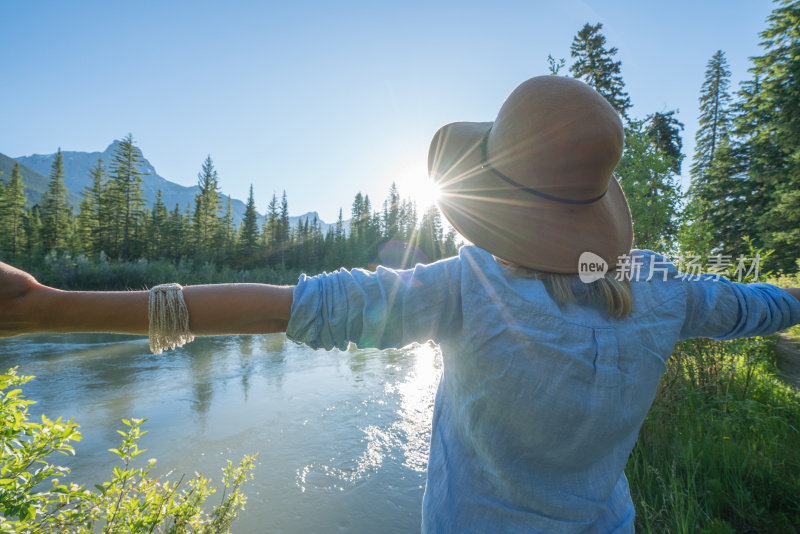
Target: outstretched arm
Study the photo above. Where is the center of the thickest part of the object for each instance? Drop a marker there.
(722, 309)
(26, 306)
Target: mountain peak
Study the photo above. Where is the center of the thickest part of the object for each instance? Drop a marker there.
(76, 172)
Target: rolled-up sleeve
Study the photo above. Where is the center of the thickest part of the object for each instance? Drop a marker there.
(381, 309)
(723, 309)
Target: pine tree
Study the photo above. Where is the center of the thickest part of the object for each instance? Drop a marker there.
(665, 130)
(282, 238)
(301, 258)
(316, 249)
(111, 228)
(449, 247)
(128, 195)
(714, 120)
(90, 216)
(74, 245)
(55, 211)
(750, 154)
(159, 228)
(716, 207)
(176, 225)
(391, 213)
(339, 232)
(248, 232)
(408, 219)
(376, 232)
(359, 215)
(595, 65)
(555, 65)
(431, 234)
(720, 205)
(86, 228)
(770, 126)
(33, 231)
(336, 245)
(12, 213)
(328, 244)
(205, 222)
(372, 232)
(271, 230)
(226, 234)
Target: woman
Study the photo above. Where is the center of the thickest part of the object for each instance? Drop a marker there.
(547, 375)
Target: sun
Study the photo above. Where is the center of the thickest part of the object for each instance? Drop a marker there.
(415, 184)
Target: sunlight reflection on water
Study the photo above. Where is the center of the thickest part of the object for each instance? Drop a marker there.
(342, 437)
(409, 433)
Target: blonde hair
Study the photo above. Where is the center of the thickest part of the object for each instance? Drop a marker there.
(612, 290)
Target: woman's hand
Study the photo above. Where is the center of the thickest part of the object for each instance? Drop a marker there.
(16, 290)
(793, 291)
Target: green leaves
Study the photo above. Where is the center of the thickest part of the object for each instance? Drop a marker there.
(132, 501)
(645, 174)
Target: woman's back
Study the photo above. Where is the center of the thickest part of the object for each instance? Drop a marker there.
(539, 405)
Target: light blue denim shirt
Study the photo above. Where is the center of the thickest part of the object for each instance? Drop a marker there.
(538, 406)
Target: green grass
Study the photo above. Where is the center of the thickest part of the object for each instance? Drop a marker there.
(789, 280)
(720, 449)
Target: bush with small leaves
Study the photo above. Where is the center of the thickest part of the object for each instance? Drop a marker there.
(132, 501)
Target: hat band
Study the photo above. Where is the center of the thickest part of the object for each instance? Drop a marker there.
(488, 166)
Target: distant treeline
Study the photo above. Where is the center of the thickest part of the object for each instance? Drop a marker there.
(113, 225)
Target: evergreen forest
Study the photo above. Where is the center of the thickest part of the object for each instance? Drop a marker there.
(113, 231)
(743, 195)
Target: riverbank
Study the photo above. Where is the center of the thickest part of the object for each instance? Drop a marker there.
(102, 274)
(719, 451)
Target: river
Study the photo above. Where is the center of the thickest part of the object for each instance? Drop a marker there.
(342, 437)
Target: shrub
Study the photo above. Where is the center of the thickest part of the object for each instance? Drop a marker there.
(33, 497)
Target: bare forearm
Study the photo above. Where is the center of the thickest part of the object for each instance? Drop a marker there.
(238, 308)
(120, 312)
(794, 291)
(213, 310)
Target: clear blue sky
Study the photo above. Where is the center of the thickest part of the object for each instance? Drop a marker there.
(325, 99)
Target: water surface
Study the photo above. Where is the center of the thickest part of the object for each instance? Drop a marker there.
(342, 437)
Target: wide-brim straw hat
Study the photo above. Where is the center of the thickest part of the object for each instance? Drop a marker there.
(536, 186)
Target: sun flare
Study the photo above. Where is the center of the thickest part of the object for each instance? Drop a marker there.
(417, 186)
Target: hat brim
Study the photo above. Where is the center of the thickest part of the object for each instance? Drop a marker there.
(516, 225)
